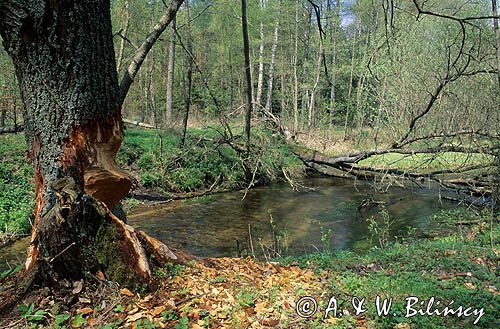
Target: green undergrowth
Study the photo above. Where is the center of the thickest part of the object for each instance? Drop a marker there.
(460, 266)
(205, 161)
(17, 196)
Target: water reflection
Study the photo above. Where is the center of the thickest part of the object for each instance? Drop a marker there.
(211, 225)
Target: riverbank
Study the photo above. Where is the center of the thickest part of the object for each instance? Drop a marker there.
(160, 168)
(163, 171)
(247, 293)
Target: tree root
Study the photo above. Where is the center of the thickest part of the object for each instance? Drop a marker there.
(78, 237)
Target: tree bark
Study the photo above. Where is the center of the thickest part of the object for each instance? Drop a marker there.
(312, 101)
(248, 76)
(295, 76)
(349, 93)
(65, 63)
(497, 33)
(336, 22)
(271, 65)
(124, 35)
(260, 78)
(170, 75)
(189, 78)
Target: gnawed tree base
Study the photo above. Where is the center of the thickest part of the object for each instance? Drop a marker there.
(80, 237)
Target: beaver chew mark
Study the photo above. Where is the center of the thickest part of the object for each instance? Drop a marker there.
(91, 148)
(106, 185)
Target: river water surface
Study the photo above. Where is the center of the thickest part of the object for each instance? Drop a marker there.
(304, 222)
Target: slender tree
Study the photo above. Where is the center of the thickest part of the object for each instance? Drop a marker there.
(271, 65)
(260, 79)
(170, 74)
(497, 33)
(295, 75)
(124, 34)
(189, 76)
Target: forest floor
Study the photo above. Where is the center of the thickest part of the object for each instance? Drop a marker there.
(246, 293)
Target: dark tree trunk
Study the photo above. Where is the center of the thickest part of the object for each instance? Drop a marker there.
(64, 60)
(189, 78)
(248, 75)
(3, 114)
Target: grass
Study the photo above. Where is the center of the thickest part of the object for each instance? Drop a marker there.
(426, 162)
(331, 142)
(459, 267)
(16, 185)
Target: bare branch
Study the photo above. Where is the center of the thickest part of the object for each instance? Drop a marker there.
(145, 47)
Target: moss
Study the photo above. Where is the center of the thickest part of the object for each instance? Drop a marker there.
(109, 256)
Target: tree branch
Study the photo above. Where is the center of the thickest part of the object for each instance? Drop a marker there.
(145, 47)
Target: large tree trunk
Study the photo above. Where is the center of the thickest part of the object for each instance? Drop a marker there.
(64, 60)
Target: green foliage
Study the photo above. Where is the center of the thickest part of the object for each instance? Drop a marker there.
(380, 228)
(326, 237)
(182, 324)
(78, 321)
(16, 185)
(414, 269)
(119, 308)
(6, 273)
(203, 161)
(145, 324)
(247, 297)
(169, 315)
(29, 313)
(60, 320)
(169, 270)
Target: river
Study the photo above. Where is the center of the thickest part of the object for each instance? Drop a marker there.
(302, 222)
